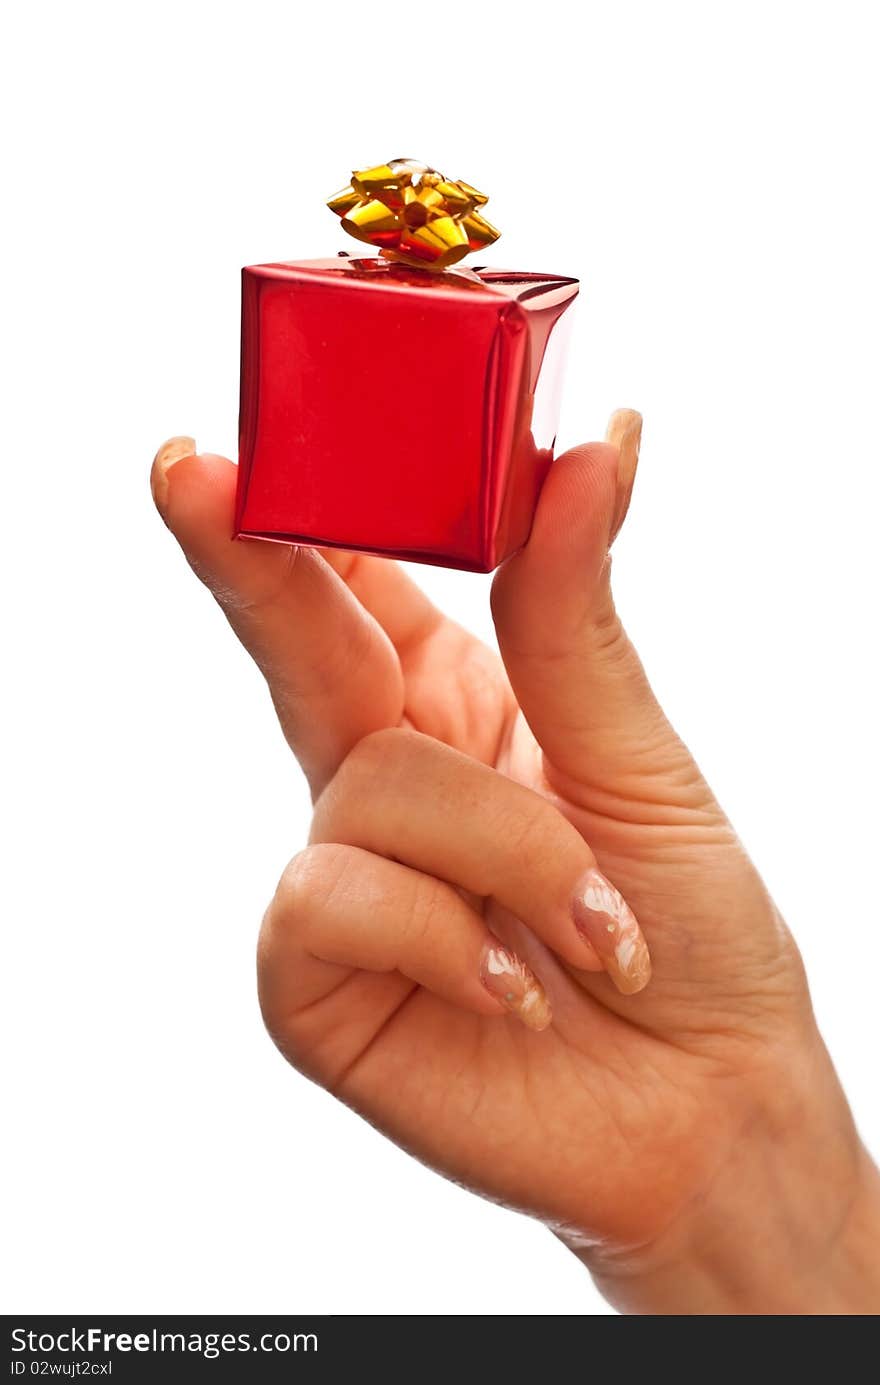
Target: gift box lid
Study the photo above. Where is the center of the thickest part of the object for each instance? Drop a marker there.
(527, 288)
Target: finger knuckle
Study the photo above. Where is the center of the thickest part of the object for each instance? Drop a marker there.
(533, 831)
(429, 903)
(381, 747)
(375, 754)
(307, 885)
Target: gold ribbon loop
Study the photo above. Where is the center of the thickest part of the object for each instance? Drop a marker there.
(412, 213)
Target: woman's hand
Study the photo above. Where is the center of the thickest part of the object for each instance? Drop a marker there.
(502, 842)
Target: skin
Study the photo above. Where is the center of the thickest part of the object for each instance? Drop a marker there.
(690, 1142)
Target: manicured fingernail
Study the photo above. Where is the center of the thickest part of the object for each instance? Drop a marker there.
(604, 918)
(169, 453)
(509, 980)
(625, 433)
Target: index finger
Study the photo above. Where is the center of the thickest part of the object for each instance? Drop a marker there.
(332, 671)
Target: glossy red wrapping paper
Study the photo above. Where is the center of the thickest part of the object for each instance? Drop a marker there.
(397, 411)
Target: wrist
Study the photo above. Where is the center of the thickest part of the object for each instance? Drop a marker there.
(790, 1226)
(770, 1268)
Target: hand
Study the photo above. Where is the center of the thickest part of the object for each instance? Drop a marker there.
(687, 1138)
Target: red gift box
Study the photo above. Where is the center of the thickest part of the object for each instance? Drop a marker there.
(393, 410)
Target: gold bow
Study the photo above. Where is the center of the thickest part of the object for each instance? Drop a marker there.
(412, 213)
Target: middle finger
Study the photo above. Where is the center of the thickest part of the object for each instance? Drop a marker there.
(410, 798)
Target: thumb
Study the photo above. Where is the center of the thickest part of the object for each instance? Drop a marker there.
(579, 682)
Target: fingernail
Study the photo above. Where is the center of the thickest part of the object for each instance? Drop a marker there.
(169, 453)
(603, 917)
(625, 433)
(509, 980)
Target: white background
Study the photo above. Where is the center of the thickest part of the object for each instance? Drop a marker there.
(710, 173)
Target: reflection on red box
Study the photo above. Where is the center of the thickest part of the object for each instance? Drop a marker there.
(398, 411)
